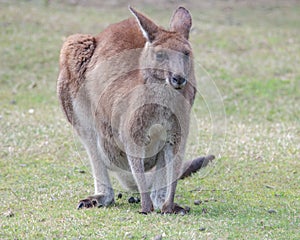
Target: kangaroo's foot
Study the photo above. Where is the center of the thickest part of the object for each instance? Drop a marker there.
(174, 209)
(146, 203)
(195, 165)
(147, 210)
(98, 200)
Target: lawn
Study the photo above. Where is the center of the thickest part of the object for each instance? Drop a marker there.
(246, 113)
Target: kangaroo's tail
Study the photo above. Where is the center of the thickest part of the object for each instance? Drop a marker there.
(194, 165)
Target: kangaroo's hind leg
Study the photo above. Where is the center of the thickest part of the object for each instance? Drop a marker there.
(87, 131)
(159, 182)
(104, 194)
(173, 163)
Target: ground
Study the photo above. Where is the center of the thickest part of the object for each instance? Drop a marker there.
(246, 112)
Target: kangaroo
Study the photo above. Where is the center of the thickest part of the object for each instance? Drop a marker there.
(128, 93)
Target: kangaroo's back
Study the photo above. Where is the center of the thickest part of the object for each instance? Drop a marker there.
(119, 37)
(81, 54)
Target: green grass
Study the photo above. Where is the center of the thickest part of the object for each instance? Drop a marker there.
(252, 53)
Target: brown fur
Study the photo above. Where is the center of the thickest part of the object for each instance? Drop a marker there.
(75, 56)
(126, 111)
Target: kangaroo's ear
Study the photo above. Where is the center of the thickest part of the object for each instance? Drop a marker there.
(148, 28)
(181, 22)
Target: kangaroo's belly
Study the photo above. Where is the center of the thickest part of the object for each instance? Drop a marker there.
(115, 153)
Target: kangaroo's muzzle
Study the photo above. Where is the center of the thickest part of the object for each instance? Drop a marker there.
(177, 81)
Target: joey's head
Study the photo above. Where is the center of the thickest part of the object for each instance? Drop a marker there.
(167, 54)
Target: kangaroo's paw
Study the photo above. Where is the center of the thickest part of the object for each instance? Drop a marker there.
(195, 165)
(98, 200)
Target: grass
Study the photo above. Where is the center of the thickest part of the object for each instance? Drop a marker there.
(251, 192)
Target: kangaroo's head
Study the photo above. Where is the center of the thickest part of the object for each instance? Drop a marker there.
(167, 54)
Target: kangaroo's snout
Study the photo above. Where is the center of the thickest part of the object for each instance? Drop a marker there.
(177, 81)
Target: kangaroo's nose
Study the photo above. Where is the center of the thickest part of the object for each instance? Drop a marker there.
(177, 81)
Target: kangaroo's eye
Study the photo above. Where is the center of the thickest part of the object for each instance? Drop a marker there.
(186, 53)
(161, 56)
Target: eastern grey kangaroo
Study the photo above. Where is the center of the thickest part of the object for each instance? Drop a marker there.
(128, 93)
